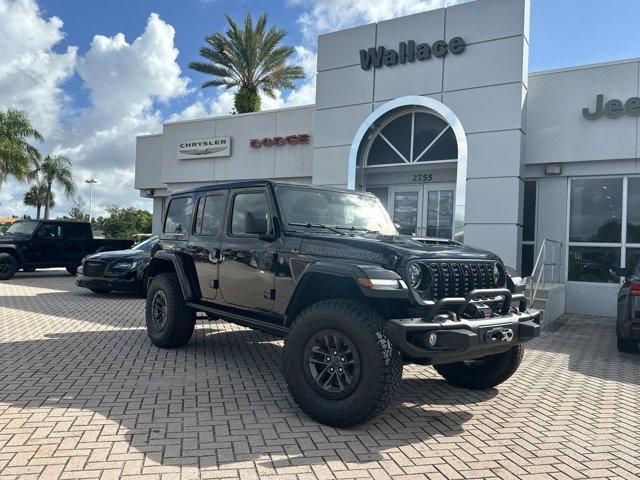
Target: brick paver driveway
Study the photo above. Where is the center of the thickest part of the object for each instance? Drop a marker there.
(84, 394)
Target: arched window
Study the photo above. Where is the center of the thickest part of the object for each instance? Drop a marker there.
(410, 137)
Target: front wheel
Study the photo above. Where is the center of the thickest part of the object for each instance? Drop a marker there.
(8, 266)
(170, 323)
(339, 365)
(483, 372)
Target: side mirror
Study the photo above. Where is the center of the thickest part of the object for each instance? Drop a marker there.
(156, 248)
(255, 223)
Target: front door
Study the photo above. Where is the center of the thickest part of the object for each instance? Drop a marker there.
(423, 210)
(49, 243)
(247, 264)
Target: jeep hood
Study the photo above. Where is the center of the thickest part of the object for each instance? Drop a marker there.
(381, 248)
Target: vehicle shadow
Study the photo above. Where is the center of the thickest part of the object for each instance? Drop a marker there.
(219, 401)
(589, 345)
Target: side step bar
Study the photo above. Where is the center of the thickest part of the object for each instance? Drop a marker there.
(240, 319)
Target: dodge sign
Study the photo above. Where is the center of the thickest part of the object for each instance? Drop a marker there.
(204, 148)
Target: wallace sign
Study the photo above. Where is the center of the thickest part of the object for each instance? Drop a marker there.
(409, 52)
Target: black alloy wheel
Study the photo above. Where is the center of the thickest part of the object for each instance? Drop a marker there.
(331, 364)
(8, 266)
(159, 311)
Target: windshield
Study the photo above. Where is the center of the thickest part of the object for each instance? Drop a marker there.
(147, 245)
(343, 210)
(24, 228)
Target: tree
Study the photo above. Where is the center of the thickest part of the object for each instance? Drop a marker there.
(250, 58)
(36, 196)
(124, 222)
(17, 157)
(77, 212)
(56, 169)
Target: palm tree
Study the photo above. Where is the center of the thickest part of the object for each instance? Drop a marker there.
(249, 58)
(36, 196)
(17, 157)
(56, 169)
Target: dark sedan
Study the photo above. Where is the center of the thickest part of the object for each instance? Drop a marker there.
(628, 323)
(121, 271)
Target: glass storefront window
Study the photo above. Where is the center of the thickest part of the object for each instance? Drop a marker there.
(633, 260)
(594, 264)
(633, 210)
(596, 210)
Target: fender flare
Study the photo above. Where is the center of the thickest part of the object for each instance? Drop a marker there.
(182, 266)
(351, 272)
(13, 250)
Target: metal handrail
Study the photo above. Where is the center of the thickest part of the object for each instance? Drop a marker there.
(538, 274)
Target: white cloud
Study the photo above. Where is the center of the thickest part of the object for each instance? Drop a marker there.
(126, 81)
(31, 73)
(325, 16)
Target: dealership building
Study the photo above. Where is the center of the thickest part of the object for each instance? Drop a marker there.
(437, 114)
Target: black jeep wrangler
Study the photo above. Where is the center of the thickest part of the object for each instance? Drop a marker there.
(326, 269)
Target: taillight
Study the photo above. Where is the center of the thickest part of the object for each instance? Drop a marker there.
(634, 288)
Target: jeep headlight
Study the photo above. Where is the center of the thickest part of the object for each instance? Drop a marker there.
(414, 276)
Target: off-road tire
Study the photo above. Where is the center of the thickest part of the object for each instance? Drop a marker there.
(495, 370)
(73, 270)
(626, 345)
(380, 369)
(102, 291)
(180, 320)
(9, 266)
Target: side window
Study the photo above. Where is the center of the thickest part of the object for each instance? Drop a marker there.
(210, 214)
(178, 216)
(255, 203)
(73, 231)
(50, 230)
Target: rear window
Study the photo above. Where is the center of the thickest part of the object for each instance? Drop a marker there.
(178, 216)
(210, 214)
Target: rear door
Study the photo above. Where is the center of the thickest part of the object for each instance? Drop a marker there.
(204, 244)
(75, 243)
(248, 262)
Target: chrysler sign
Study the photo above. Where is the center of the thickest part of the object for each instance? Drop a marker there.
(204, 148)
(409, 52)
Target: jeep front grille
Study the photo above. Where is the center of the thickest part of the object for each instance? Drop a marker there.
(457, 279)
(93, 268)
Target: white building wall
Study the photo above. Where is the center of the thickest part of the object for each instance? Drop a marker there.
(485, 86)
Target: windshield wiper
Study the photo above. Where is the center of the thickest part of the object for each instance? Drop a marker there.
(357, 229)
(315, 225)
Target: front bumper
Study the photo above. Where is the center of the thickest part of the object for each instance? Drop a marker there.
(117, 284)
(458, 338)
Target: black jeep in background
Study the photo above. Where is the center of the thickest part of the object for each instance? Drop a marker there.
(326, 269)
(31, 244)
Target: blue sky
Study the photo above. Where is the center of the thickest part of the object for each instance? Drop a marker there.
(94, 74)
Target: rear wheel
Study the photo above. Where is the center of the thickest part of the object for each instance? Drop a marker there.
(483, 372)
(73, 270)
(339, 365)
(626, 345)
(8, 266)
(170, 323)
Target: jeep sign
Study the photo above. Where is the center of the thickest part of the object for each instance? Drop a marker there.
(613, 108)
(409, 52)
(204, 148)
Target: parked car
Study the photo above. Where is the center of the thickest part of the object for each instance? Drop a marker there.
(31, 244)
(628, 318)
(121, 270)
(326, 269)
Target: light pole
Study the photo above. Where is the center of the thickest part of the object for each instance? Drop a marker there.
(90, 181)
